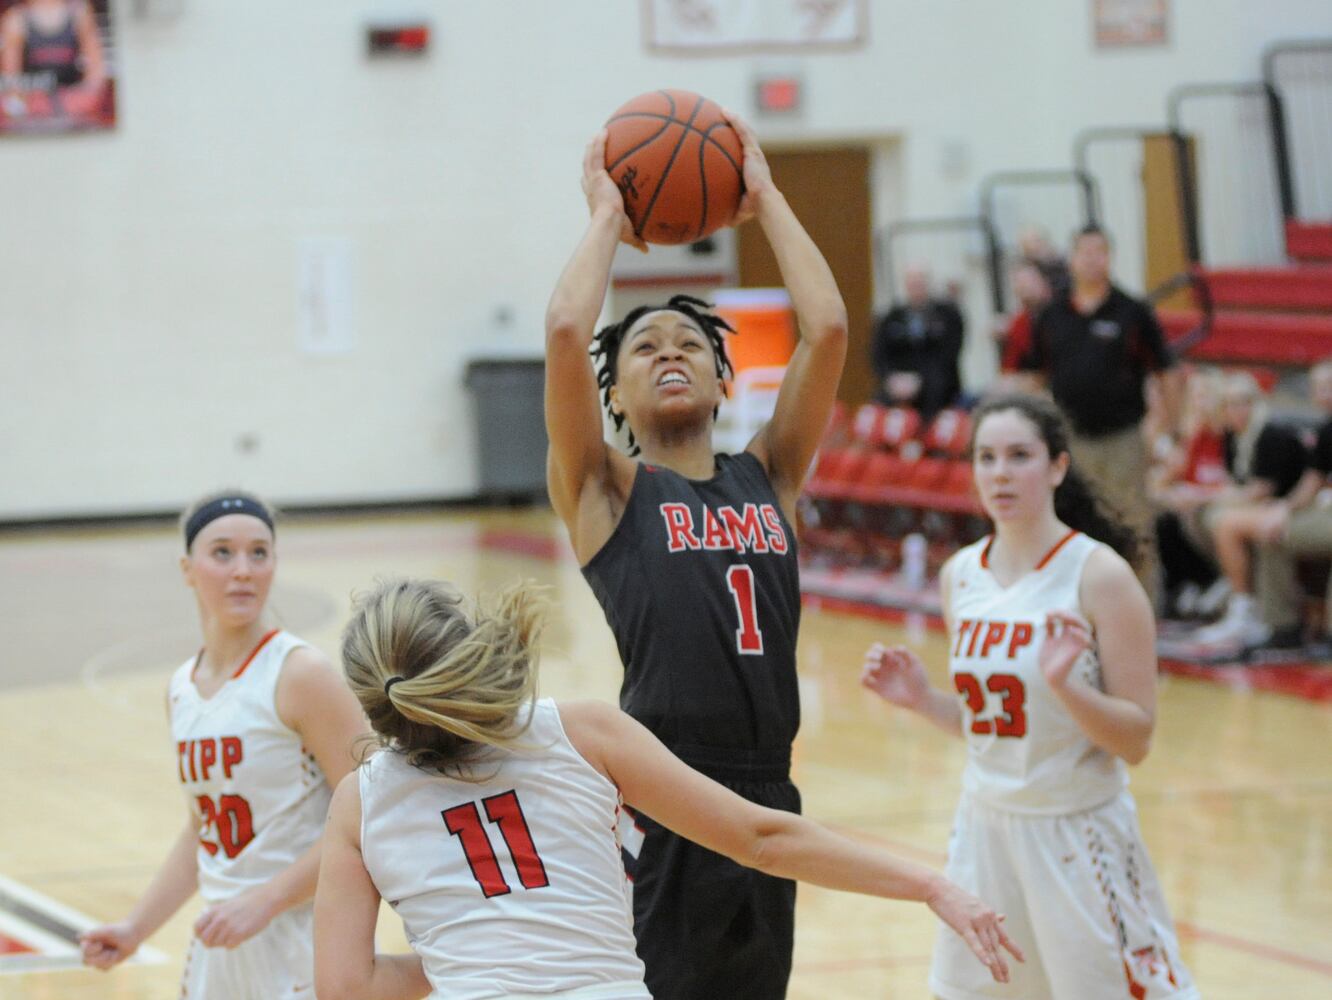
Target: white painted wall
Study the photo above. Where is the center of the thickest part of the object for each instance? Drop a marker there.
(148, 293)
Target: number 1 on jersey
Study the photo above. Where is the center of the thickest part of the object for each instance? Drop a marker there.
(464, 822)
(748, 637)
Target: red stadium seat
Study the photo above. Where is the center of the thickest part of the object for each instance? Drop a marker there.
(883, 472)
(868, 423)
(884, 427)
(959, 482)
(949, 434)
(838, 472)
(899, 426)
(930, 475)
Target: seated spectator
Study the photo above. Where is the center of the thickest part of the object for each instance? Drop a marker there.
(1278, 532)
(916, 348)
(1191, 474)
(1266, 461)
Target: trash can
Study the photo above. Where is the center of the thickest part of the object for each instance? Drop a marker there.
(510, 426)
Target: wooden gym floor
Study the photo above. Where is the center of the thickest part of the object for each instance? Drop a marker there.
(1236, 798)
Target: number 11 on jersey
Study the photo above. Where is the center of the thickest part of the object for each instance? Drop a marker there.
(503, 810)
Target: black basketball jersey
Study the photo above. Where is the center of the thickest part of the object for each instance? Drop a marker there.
(55, 52)
(700, 585)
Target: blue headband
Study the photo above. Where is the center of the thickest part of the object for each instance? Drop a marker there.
(221, 507)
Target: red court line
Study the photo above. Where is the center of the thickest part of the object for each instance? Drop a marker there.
(1255, 948)
(1310, 681)
(522, 543)
(847, 606)
(1185, 929)
(13, 946)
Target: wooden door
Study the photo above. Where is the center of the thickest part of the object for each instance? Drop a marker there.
(829, 191)
(1167, 243)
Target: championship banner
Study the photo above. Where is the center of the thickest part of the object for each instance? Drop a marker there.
(701, 26)
(56, 64)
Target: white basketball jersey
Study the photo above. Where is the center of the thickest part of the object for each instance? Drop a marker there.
(511, 884)
(260, 796)
(1025, 753)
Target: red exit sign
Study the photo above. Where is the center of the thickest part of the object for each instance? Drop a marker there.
(778, 94)
(408, 39)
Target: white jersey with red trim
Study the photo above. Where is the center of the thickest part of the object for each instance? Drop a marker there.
(260, 796)
(1025, 752)
(509, 884)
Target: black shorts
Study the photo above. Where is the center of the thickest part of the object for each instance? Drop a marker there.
(707, 927)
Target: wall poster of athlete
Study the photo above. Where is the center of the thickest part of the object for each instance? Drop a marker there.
(56, 67)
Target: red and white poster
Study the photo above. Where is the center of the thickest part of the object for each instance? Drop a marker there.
(1129, 23)
(702, 26)
(56, 66)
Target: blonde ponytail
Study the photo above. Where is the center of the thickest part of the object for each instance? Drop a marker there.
(436, 684)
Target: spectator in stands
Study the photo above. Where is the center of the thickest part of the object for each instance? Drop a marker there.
(1033, 292)
(1096, 347)
(1293, 521)
(1191, 475)
(916, 348)
(1035, 248)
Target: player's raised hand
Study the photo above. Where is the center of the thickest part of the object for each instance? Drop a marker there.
(229, 923)
(600, 189)
(757, 175)
(978, 925)
(896, 675)
(108, 945)
(1067, 637)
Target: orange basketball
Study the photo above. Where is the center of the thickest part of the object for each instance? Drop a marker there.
(677, 162)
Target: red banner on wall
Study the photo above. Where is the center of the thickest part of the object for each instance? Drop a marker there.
(56, 66)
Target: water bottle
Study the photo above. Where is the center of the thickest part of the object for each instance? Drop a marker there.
(913, 561)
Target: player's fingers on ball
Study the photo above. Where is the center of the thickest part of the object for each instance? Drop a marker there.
(741, 126)
(594, 161)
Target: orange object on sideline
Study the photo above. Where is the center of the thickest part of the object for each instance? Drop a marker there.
(764, 323)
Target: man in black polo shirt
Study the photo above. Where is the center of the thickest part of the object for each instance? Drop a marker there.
(1096, 348)
(916, 347)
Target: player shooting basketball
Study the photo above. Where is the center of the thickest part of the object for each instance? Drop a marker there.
(692, 555)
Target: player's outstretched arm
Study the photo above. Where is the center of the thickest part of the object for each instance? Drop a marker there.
(1120, 719)
(573, 412)
(778, 843)
(174, 883)
(897, 676)
(346, 909)
(804, 404)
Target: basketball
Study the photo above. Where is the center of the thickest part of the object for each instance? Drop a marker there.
(677, 161)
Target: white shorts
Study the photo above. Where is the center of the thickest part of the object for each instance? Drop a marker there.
(603, 991)
(1081, 901)
(275, 964)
